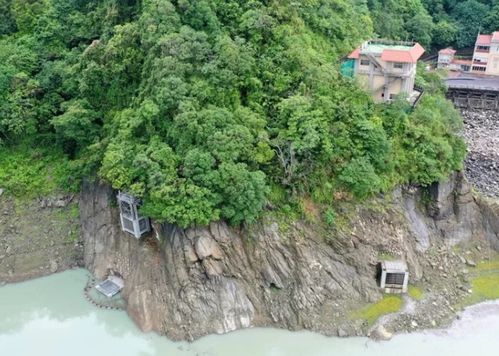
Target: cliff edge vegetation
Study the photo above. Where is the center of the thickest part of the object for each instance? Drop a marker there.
(213, 110)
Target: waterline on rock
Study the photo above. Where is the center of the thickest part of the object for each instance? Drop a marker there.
(50, 316)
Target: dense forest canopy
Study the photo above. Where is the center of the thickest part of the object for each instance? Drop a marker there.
(216, 109)
(435, 23)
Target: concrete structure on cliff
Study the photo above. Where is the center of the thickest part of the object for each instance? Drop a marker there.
(486, 54)
(385, 68)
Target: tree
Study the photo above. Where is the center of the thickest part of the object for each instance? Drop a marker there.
(7, 21)
(198, 107)
(470, 16)
(444, 34)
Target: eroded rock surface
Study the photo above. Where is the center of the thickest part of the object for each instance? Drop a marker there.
(38, 237)
(295, 275)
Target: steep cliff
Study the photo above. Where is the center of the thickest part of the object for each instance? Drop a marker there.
(188, 283)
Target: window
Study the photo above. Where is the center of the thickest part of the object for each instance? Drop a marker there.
(395, 278)
(482, 48)
(364, 62)
(392, 96)
(398, 65)
(126, 210)
(479, 69)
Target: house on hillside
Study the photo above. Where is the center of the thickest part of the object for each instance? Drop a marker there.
(486, 54)
(447, 60)
(385, 68)
(445, 57)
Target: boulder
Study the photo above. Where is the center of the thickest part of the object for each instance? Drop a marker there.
(53, 266)
(380, 334)
(190, 254)
(205, 247)
(212, 267)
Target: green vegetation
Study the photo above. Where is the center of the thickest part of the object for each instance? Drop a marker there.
(484, 282)
(372, 312)
(485, 287)
(415, 292)
(435, 23)
(211, 110)
(27, 173)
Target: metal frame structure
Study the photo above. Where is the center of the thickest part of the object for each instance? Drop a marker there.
(111, 286)
(131, 221)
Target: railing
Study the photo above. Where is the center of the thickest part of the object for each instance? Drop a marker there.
(390, 42)
(421, 93)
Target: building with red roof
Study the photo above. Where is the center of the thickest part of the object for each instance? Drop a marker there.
(445, 57)
(386, 68)
(486, 54)
(447, 60)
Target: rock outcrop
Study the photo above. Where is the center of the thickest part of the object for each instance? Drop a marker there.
(38, 237)
(295, 275)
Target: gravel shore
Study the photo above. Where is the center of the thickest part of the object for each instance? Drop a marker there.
(481, 132)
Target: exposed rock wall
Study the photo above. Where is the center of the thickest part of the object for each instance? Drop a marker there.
(38, 237)
(291, 275)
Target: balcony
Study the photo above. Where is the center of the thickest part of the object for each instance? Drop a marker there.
(482, 49)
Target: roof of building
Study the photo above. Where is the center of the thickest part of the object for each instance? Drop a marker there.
(391, 51)
(447, 50)
(461, 61)
(355, 54)
(397, 265)
(483, 40)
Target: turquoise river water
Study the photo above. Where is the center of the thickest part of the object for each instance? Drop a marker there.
(49, 316)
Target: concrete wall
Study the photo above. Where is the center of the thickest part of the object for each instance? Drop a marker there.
(373, 80)
(493, 64)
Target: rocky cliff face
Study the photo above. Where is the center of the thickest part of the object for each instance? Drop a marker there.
(188, 283)
(38, 236)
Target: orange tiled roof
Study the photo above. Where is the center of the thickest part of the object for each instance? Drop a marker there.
(410, 56)
(483, 40)
(461, 61)
(396, 55)
(355, 54)
(447, 51)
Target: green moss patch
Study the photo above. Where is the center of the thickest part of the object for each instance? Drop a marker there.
(484, 282)
(485, 287)
(415, 293)
(372, 312)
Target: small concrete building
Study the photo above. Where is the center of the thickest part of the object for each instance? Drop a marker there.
(445, 57)
(486, 54)
(385, 68)
(393, 276)
(447, 60)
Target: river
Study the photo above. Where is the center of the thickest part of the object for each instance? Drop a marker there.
(50, 316)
